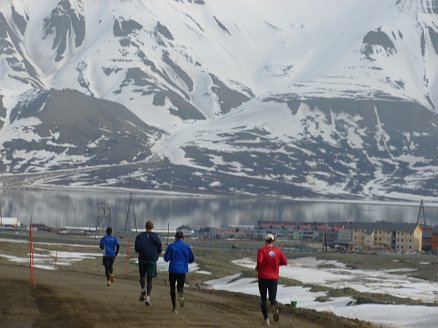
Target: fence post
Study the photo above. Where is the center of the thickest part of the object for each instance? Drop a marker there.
(127, 258)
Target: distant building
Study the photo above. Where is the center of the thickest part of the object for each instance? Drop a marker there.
(208, 233)
(280, 229)
(435, 240)
(9, 223)
(305, 233)
(228, 231)
(344, 238)
(400, 237)
(41, 227)
(426, 237)
(385, 236)
(186, 230)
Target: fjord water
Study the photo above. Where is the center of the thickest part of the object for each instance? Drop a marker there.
(80, 209)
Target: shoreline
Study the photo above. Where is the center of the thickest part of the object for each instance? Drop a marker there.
(173, 194)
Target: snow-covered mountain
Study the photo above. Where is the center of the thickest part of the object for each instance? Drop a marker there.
(307, 98)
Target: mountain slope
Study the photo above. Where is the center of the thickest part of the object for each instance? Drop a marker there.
(51, 130)
(321, 100)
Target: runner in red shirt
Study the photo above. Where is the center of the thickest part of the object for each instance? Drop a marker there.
(269, 259)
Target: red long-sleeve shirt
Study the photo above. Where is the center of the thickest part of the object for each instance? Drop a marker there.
(269, 259)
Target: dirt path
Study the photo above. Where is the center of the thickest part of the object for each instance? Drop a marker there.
(71, 299)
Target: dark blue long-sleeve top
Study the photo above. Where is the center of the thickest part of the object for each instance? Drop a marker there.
(148, 246)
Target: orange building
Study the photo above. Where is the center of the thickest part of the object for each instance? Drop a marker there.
(435, 240)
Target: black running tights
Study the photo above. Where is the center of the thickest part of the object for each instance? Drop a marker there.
(108, 262)
(178, 279)
(267, 286)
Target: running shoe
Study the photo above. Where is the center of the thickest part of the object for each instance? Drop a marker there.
(142, 295)
(112, 278)
(181, 299)
(276, 315)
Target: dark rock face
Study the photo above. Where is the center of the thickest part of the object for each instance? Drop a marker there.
(2, 112)
(434, 38)
(124, 28)
(377, 38)
(20, 21)
(63, 22)
(229, 98)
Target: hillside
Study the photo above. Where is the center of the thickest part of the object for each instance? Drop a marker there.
(86, 302)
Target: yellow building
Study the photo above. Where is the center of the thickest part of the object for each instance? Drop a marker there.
(399, 237)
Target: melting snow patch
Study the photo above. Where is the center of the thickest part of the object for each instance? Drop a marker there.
(334, 274)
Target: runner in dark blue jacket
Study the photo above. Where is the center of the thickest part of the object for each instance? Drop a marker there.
(110, 246)
(180, 255)
(148, 246)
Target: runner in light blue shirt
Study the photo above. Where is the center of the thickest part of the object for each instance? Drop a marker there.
(179, 254)
(110, 246)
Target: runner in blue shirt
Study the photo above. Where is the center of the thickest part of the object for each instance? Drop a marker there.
(110, 246)
(180, 255)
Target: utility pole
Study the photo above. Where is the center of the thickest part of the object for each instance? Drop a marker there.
(426, 240)
(129, 213)
(103, 213)
(421, 211)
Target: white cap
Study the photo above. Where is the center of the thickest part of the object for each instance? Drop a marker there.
(269, 236)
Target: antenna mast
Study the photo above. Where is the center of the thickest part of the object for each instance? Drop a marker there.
(103, 213)
(129, 213)
(421, 210)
